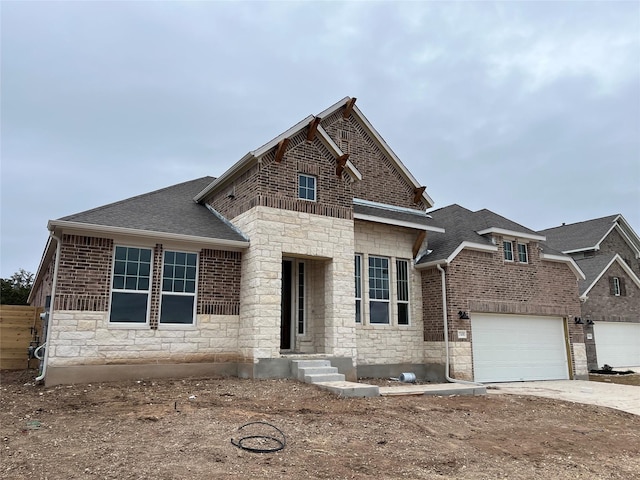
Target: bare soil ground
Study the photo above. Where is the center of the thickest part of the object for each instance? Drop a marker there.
(182, 429)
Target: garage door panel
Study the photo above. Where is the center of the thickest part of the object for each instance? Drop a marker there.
(617, 344)
(517, 347)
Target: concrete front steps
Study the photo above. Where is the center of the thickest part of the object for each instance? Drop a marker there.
(322, 374)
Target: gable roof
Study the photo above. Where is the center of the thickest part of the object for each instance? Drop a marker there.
(254, 156)
(472, 230)
(391, 215)
(595, 267)
(167, 213)
(589, 234)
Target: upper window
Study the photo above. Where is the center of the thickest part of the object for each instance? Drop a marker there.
(616, 286)
(507, 248)
(358, 278)
(522, 253)
(307, 187)
(178, 288)
(379, 290)
(402, 280)
(131, 285)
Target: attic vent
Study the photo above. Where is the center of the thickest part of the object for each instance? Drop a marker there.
(345, 135)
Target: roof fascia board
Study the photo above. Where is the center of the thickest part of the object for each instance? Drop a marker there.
(236, 168)
(386, 206)
(336, 106)
(628, 236)
(565, 259)
(479, 247)
(384, 147)
(328, 142)
(398, 223)
(624, 266)
(512, 233)
(134, 232)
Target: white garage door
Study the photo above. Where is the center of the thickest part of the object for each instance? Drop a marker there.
(617, 344)
(511, 348)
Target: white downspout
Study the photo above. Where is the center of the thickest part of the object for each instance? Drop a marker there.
(51, 308)
(446, 331)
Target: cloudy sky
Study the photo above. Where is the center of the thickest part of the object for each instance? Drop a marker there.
(531, 110)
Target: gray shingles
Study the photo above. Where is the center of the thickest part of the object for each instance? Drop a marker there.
(418, 217)
(169, 210)
(579, 236)
(592, 267)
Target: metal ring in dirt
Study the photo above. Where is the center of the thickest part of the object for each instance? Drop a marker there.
(280, 443)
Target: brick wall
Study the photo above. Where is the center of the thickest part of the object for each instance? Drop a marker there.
(219, 283)
(381, 181)
(614, 243)
(603, 306)
(44, 288)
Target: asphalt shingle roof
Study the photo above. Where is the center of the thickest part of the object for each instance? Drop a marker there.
(592, 267)
(578, 236)
(418, 217)
(461, 225)
(169, 210)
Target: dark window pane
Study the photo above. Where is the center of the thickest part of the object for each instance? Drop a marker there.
(167, 285)
(179, 272)
(132, 268)
(191, 273)
(379, 312)
(358, 311)
(133, 255)
(403, 314)
(190, 286)
(168, 271)
(143, 284)
(178, 286)
(176, 309)
(119, 267)
(191, 259)
(128, 307)
(121, 253)
(145, 269)
(145, 255)
(181, 258)
(130, 283)
(169, 257)
(118, 282)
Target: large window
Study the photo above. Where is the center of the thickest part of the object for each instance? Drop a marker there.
(178, 288)
(507, 248)
(402, 283)
(358, 278)
(379, 290)
(522, 253)
(131, 285)
(307, 187)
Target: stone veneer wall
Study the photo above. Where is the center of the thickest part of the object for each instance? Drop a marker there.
(276, 234)
(389, 344)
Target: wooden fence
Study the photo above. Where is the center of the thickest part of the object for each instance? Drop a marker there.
(19, 325)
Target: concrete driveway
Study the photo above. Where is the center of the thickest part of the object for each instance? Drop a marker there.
(620, 397)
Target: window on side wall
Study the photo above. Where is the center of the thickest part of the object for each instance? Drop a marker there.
(307, 187)
(179, 274)
(507, 248)
(402, 281)
(358, 279)
(616, 286)
(378, 290)
(130, 285)
(522, 253)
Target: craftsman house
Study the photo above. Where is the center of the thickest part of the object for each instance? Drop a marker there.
(607, 250)
(508, 300)
(238, 274)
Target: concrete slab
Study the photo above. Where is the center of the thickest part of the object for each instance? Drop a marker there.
(619, 397)
(350, 389)
(442, 389)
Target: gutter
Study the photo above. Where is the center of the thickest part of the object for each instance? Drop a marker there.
(446, 332)
(45, 360)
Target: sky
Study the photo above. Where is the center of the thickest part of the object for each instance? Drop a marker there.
(528, 109)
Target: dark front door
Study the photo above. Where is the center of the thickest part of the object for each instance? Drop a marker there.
(285, 318)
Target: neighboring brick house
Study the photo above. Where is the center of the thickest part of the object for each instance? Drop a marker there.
(510, 301)
(607, 250)
(239, 274)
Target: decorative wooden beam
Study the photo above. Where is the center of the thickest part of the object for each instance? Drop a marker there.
(282, 146)
(313, 128)
(418, 193)
(349, 107)
(341, 161)
(418, 243)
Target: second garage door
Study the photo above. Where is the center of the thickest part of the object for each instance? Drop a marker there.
(617, 344)
(510, 348)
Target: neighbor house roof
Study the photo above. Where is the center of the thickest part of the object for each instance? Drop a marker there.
(169, 213)
(595, 267)
(588, 235)
(473, 230)
(314, 122)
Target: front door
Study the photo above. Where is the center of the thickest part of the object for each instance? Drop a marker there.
(286, 320)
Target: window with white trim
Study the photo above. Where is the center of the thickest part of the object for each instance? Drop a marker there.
(402, 285)
(507, 248)
(179, 274)
(616, 286)
(131, 285)
(306, 187)
(523, 257)
(378, 290)
(358, 279)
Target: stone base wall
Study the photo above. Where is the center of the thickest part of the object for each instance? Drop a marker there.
(580, 364)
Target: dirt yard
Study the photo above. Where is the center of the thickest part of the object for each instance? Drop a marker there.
(182, 429)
